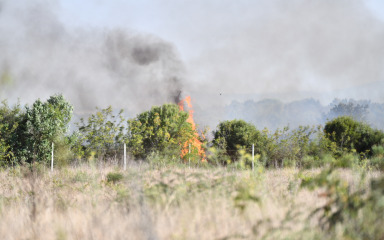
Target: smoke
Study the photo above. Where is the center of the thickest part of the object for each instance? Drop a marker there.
(92, 67)
(233, 50)
(289, 49)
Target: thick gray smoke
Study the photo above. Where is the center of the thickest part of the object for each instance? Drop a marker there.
(40, 57)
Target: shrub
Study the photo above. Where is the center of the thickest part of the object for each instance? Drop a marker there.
(43, 123)
(9, 122)
(347, 160)
(101, 136)
(377, 160)
(349, 134)
(235, 135)
(114, 177)
(28, 134)
(285, 148)
(310, 162)
(162, 129)
(218, 156)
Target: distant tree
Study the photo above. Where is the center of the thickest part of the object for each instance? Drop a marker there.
(357, 111)
(162, 129)
(236, 135)
(349, 134)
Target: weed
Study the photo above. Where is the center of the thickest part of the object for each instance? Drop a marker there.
(114, 177)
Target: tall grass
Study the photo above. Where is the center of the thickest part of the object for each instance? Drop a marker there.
(145, 202)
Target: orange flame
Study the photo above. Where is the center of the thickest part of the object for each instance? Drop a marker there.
(194, 142)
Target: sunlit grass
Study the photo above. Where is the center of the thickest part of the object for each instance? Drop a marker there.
(156, 203)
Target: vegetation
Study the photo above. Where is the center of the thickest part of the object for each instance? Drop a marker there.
(27, 134)
(233, 136)
(178, 202)
(101, 136)
(349, 134)
(42, 124)
(307, 182)
(162, 130)
(160, 134)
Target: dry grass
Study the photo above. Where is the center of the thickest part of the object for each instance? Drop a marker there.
(166, 203)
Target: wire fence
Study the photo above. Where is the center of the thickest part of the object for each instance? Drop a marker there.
(119, 156)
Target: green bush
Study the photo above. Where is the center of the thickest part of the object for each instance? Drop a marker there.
(10, 119)
(163, 129)
(347, 160)
(28, 134)
(236, 135)
(287, 148)
(218, 156)
(310, 162)
(101, 136)
(349, 135)
(114, 177)
(377, 160)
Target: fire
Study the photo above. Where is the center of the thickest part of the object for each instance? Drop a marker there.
(194, 142)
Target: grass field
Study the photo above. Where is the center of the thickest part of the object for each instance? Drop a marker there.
(146, 202)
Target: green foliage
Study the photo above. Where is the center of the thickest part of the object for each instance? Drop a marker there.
(9, 121)
(349, 135)
(218, 156)
(245, 161)
(377, 160)
(102, 136)
(162, 129)
(356, 211)
(63, 151)
(286, 148)
(235, 135)
(43, 123)
(114, 177)
(26, 136)
(347, 160)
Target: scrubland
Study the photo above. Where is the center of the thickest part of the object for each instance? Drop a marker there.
(168, 202)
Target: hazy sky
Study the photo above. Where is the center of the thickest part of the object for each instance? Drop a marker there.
(215, 50)
(179, 21)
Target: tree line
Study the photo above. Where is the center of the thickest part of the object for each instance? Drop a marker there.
(159, 134)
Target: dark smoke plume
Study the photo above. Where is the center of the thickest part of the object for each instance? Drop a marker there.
(41, 56)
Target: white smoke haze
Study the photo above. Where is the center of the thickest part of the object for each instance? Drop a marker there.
(231, 50)
(296, 49)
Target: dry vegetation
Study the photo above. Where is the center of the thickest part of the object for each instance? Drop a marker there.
(146, 202)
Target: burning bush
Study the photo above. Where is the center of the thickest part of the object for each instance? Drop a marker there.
(163, 129)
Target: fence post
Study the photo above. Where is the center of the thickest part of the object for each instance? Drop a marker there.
(253, 157)
(52, 158)
(125, 156)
